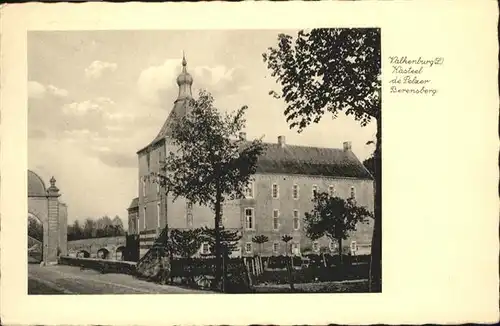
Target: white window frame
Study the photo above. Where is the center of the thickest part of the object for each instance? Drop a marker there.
(276, 247)
(246, 248)
(158, 213)
(295, 186)
(315, 246)
(331, 190)
(203, 245)
(277, 191)
(252, 216)
(157, 184)
(143, 186)
(314, 189)
(144, 212)
(250, 188)
(354, 246)
(276, 217)
(296, 217)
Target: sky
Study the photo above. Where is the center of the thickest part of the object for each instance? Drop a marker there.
(96, 97)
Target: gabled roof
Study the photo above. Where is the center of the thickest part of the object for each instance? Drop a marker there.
(317, 161)
(134, 203)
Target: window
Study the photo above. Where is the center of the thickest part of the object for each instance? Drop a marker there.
(143, 186)
(276, 191)
(276, 219)
(248, 247)
(249, 218)
(354, 247)
(144, 218)
(158, 184)
(332, 245)
(314, 190)
(296, 223)
(353, 193)
(331, 191)
(249, 190)
(205, 248)
(276, 247)
(315, 246)
(295, 192)
(295, 248)
(158, 211)
(189, 214)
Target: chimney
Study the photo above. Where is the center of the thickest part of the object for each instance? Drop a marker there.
(281, 141)
(243, 135)
(347, 146)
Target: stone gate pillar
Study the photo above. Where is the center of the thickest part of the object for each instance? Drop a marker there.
(53, 223)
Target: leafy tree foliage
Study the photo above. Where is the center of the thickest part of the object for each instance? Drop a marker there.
(35, 228)
(260, 240)
(332, 71)
(334, 217)
(185, 243)
(96, 228)
(210, 164)
(229, 239)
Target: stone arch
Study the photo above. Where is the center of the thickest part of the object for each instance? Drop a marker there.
(103, 253)
(120, 253)
(44, 204)
(83, 254)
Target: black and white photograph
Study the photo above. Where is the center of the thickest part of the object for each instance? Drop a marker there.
(204, 161)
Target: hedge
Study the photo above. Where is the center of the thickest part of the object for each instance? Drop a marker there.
(317, 274)
(280, 262)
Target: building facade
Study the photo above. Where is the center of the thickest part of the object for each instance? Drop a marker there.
(277, 198)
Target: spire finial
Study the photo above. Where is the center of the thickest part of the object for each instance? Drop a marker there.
(184, 62)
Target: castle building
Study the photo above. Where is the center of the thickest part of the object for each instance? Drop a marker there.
(275, 202)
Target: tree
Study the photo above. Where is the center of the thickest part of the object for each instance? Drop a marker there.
(286, 239)
(334, 70)
(117, 224)
(229, 239)
(334, 217)
(210, 164)
(35, 228)
(185, 243)
(260, 240)
(75, 231)
(89, 228)
(369, 163)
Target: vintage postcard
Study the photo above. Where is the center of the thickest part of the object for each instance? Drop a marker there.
(230, 158)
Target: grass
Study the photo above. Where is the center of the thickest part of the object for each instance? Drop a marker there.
(359, 286)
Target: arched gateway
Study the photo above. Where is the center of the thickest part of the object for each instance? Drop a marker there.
(45, 208)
